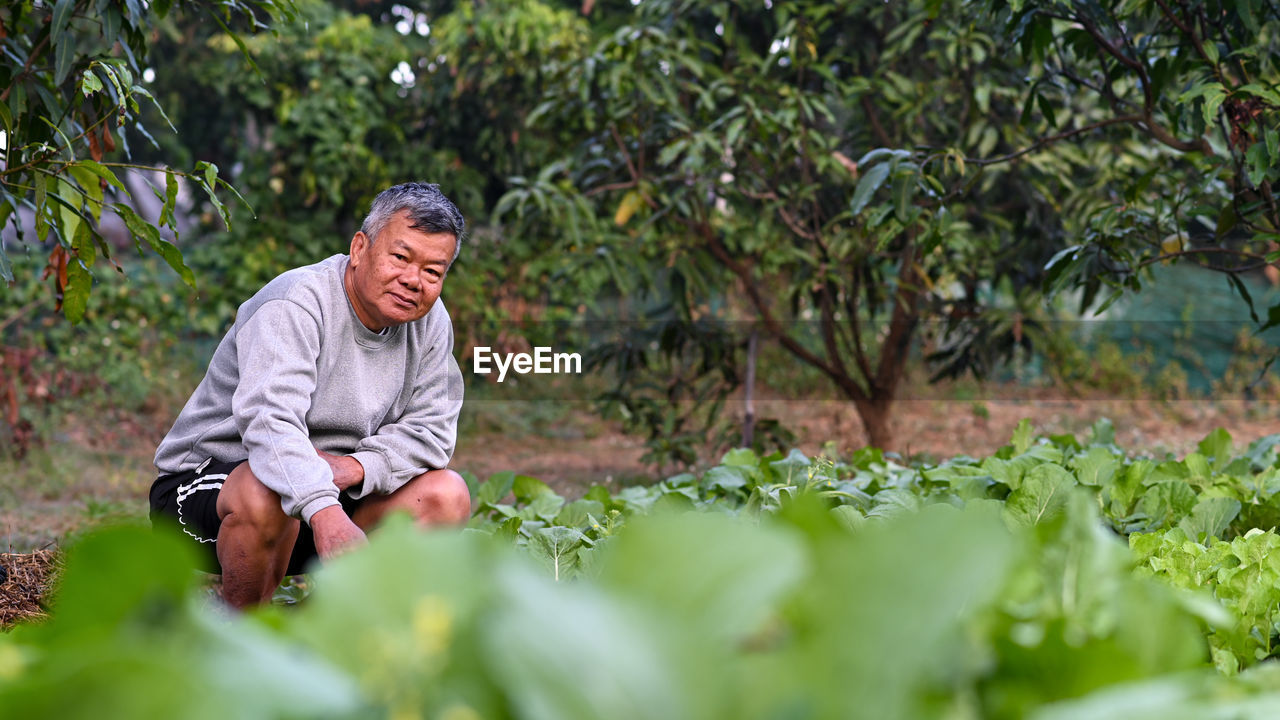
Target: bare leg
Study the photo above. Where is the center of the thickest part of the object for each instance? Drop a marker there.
(254, 541)
(437, 497)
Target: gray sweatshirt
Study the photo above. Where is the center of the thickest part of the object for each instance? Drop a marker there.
(299, 371)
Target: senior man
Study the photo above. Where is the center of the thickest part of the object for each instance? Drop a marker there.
(332, 401)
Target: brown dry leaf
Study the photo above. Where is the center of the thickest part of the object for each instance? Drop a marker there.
(58, 268)
(95, 149)
(845, 162)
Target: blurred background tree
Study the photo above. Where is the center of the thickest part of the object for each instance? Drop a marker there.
(855, 183)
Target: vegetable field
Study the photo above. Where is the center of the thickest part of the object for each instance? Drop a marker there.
(1057, 578)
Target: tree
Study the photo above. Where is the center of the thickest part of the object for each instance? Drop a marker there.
(356, 98)
(863, 171)
(724, 146)
(1187, 91)
(73, 91)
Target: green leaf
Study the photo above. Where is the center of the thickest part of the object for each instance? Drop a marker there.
(883, 586)
(1042, 495)
(210, 173)
(509, 530)
(170, 199)
(1023, 436)
(742, 457)
(1211, 51)
(90, 186)
(75, 298)
(557, 546)
(1247, 16)
(68, 218)
(794, 465)
(1273, 318)
(58, 26)
(1096, 468)
(578, 513)
(867, 187)
(1103, 432)
(711, 574)
(143, 230)
(1259, 163)
(89, 83)
(105, 173)
(64, 57)
(546, 639)
(1046, 108)
(727, 478)
(527, 489)
(1213, 94)
(1210, 518)
(1217, 445)
(493, 490)
(904, 186)
(1166, 503)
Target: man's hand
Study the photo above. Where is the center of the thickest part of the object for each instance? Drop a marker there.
(334, 532)
(347, 471)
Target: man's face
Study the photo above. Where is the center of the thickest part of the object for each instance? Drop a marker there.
(398, 278)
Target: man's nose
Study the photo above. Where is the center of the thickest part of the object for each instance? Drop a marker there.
(409, 278)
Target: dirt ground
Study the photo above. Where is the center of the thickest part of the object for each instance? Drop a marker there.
(87, 477)
(926, 429)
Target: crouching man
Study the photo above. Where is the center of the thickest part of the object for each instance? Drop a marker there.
(332, 401)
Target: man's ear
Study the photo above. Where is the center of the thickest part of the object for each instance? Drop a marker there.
(359, 243)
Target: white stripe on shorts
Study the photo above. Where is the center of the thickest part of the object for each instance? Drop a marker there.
(208, 482)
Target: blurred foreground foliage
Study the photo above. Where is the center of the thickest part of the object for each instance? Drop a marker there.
(769, 586)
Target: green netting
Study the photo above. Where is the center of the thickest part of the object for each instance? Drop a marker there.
(1193, 318)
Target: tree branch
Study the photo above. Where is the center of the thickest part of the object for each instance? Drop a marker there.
(771, 323)
(874, 119)
(1055, 138)
(1260, 261)
(855, 327)
(1154, 129)
(902, 323)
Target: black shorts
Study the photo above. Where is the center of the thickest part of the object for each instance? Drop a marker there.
(189, 501)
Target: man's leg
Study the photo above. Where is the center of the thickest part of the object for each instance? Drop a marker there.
(437, 497)
(254, 541)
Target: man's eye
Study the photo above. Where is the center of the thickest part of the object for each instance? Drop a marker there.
(399, 257)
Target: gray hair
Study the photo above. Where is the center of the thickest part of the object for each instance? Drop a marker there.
(429, 211)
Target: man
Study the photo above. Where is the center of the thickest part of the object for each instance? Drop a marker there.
(332, 401)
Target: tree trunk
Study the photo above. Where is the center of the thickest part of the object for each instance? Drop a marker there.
(875, 415)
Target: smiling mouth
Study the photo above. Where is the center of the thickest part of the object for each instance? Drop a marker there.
(402, 300)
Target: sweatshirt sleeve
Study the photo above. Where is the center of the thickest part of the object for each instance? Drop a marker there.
(423, 437)
(276, 351)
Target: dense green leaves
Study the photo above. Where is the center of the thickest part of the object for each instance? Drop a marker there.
(72, 91)
(765, 601)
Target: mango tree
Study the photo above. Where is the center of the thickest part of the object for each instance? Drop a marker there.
(810, 159)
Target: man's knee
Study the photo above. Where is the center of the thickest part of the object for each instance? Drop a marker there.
(245, 501)
(442, 497)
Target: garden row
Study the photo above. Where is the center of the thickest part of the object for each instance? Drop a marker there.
(766, 587)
